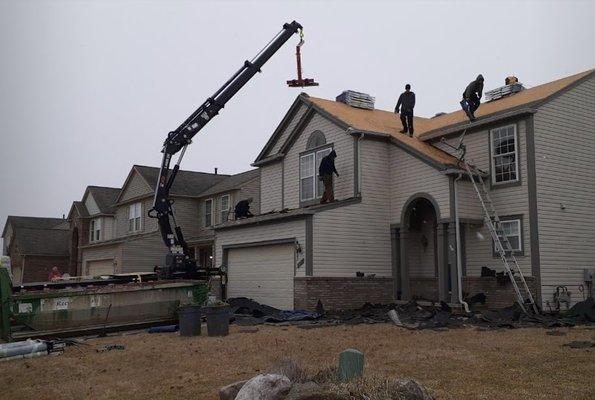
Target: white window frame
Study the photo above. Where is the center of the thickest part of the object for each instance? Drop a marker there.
(224, 212)
(519, 224)
(209, 215)
(317, 183)
(94, 230)
(135, 212)
(493, 155)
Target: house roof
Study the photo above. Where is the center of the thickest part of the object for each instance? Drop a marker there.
(80, 208)
(532, 96)
(53, 242)
(105, 197)
(232, 183)
(187, 183)
(31, 222)
(383, 122)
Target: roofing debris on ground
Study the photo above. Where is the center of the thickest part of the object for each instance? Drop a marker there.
(409, 316)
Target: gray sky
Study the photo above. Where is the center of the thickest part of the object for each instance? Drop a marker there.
(89, 88)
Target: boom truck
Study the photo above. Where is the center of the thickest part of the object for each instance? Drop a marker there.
(178, 261)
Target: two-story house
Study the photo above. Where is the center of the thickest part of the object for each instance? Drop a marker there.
(112, 233)
(397, 200)
(35, 245)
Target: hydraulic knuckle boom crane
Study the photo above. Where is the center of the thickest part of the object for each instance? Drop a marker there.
(178, 262)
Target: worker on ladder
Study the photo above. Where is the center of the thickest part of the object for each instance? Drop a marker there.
(472, 96)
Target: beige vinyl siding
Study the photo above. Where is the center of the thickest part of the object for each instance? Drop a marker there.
(357, 237)
(136, 187)
(511, 200)
(142, 254)
(342, 144)
(91, 205)
(257, 233)
(565, 165)
(186, 212)
(100, 253)
(107, 228)
(287, 131)
(408, 176)
(271, 181)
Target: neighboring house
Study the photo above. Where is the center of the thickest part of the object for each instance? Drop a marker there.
(394, 218)
(121, 238)
(36, 245)
(92, 221)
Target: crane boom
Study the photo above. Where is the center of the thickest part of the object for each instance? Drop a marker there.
(178, 260)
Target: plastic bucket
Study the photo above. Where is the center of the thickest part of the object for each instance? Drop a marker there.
(217, 321)
(189, 317)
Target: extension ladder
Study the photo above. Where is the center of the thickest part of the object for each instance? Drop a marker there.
(501, 242)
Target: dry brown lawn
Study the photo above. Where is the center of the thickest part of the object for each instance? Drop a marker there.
(454, 364)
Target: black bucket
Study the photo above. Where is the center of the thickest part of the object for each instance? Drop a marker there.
(217, 320)
(189, 320)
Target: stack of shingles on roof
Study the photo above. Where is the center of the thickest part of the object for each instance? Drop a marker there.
(187, 183)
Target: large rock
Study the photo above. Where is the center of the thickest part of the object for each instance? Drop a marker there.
(230, 392)
(265, 387)
(312, 391)
(401, 389)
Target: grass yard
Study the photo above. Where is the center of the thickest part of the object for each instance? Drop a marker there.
(453, 364)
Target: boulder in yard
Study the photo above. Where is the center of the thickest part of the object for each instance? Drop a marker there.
(230, 392)
(408, 390)
(265, 387)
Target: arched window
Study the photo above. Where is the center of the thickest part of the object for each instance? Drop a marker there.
(316, 139)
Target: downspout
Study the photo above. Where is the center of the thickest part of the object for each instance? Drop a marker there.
(458, 234)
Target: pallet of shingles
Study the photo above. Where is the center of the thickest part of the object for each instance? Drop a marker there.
(356, 99)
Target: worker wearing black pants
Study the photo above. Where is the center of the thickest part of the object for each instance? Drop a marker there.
(406, 103)
(472, 96)
(325, 172)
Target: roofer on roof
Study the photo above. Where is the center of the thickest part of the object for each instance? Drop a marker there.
(406, 102)
(471, 97)
(242, 209)
(325, 173)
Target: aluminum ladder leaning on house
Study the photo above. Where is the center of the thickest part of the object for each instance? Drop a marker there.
(501, 242)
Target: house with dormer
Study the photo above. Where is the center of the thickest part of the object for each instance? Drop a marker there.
(391, 233)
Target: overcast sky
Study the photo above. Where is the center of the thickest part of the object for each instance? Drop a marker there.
(89, 88)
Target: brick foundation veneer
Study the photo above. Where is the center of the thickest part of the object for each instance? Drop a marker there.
(498, 296)
(341, 293)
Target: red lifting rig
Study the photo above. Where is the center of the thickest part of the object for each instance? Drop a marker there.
(300, 82)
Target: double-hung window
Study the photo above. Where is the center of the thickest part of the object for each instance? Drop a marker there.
(512, 229)
(134, 217)
(311, 187)
(504, 157)
(224, 208)
(208, 212)
(95, 230)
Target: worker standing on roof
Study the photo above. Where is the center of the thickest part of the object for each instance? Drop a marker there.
(406, 103)
(325, 173)
(471, 97)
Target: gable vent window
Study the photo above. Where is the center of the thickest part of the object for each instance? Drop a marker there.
(134, 217)
(95, 230)
(504, 157)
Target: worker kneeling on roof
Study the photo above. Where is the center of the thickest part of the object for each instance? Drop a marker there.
(242, 209)
(406, 103)
(471, 97)
(325, 173)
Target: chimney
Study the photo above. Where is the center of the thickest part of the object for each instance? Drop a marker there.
(512, 86)
(356, 99)
(215, 170)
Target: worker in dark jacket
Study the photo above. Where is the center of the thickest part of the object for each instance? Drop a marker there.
(406, 103)
(325, 173)
(471, 97)
(242, 209)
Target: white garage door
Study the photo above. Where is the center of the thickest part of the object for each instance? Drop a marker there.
(263, 273)
(100, 267)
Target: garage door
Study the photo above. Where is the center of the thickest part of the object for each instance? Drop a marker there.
(100, 267)
(263, 273)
